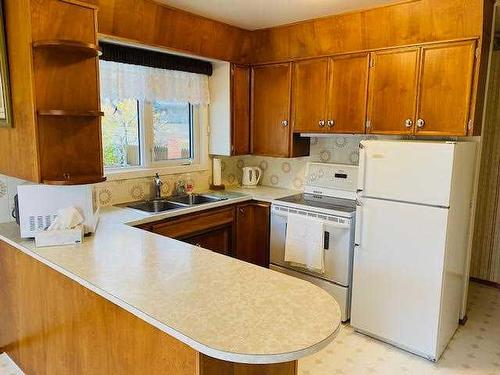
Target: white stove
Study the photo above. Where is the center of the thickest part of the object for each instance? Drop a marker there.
(329, 195)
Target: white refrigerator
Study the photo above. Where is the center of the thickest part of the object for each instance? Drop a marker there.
(412, 230)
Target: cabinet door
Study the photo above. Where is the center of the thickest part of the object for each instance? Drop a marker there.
(240, 108)
(189, 225)
(271, 110)
(347, 94)
(445, 85)
(252, 233)
(218, 240)
(393, 91)
(310, 81)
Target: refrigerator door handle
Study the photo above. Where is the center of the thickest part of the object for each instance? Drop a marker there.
(361, 169)
(358, 227)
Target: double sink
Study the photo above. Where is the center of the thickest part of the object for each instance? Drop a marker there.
(173, 203)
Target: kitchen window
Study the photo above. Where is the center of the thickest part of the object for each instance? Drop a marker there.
(136, 133)
(154, 118)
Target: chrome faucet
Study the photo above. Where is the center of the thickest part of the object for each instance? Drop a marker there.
(158, 183)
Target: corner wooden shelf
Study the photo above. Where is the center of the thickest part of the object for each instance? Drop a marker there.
(74, 180)
(68, 113)
(63, 45)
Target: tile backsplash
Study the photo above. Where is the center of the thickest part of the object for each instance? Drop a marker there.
(122, 191)
(290, 173)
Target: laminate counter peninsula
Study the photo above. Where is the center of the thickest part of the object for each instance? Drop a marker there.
(130, 301)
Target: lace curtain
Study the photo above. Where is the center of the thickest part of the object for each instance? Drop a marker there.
(125, 81)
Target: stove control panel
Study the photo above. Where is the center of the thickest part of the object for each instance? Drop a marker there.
(331, 176)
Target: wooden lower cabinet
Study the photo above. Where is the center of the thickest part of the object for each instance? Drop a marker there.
(252, 229)
(211, 229)
(219, 240)
(241, 230)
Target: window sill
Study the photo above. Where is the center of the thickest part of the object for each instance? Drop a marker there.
(131, 173)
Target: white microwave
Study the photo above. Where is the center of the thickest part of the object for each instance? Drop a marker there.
(38, 206)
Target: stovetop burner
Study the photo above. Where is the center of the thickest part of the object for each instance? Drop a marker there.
(321, 201)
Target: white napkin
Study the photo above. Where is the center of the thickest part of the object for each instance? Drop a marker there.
(67, 218)
(304, 242)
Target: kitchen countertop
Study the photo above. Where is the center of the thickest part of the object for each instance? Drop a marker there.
(220, 306)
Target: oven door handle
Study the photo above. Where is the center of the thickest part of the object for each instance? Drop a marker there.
(326, 240)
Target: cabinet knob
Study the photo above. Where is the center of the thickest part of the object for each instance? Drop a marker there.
(420, 123)
(409, 123)
(284, 123)
(321, 123)
(331, 123)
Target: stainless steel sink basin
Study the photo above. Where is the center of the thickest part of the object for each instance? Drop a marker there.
(157, 205)
(195, 199)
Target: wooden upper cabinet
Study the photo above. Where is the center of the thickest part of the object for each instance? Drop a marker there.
(310, 83)
(392, 93)
(347, 94)
(445, 85)
(271, 110)
(240, 110)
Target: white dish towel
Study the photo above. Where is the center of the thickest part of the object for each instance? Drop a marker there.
(304, 242)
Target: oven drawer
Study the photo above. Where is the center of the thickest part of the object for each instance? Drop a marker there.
(338, 251)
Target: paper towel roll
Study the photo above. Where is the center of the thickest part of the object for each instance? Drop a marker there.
(217, 172)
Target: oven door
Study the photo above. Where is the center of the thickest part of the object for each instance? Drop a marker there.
(339, 246)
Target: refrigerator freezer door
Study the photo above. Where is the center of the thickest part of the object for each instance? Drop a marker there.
(407, 171)
(398, 273)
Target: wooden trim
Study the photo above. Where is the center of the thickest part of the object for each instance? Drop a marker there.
(86, 49)
(485, 282)
(75, 180)
(63, 112)
(81, 3)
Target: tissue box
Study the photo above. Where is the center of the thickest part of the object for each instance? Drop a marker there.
(59, 237)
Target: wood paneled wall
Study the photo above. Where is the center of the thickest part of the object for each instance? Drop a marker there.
(148, 22)
(410, 22)
(18, 145)
(485, 262)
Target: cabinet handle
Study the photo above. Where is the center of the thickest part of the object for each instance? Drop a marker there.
(331, 123)
(321, 123)
(420, 123)
(242, 210)
(409, 123)
(284, 123)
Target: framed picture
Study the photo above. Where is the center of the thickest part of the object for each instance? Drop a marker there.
(5, 103)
